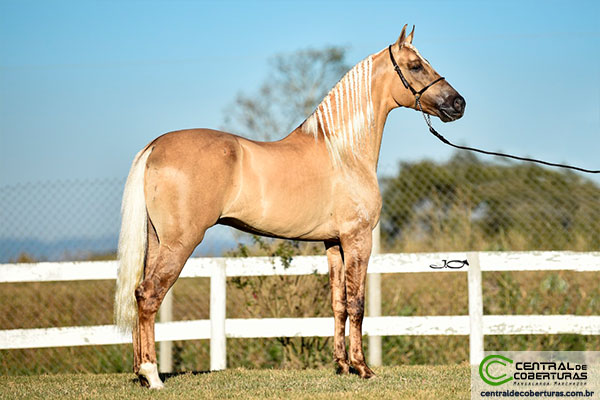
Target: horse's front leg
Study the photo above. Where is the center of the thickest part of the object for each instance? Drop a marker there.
(357, 250)
(338, 305)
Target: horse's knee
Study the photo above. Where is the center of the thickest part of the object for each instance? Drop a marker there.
(356, 307)
(338, 306)
(340, 310)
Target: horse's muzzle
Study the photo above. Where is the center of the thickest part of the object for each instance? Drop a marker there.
(452, 109)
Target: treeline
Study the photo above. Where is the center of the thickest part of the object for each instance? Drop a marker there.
(468, 204)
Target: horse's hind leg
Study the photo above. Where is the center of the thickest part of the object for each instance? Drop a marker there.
(151, 257)
(159, 277)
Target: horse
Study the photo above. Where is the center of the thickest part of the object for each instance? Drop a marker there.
(319, 183)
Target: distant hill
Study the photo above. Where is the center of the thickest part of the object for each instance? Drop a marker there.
(84, 248)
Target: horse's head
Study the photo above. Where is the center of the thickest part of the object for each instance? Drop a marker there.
(417, 79)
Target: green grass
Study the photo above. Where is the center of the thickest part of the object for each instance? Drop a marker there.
(404, 382)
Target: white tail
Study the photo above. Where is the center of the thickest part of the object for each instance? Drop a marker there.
(132, 243)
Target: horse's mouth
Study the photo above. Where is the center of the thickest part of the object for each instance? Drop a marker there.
(448, 114)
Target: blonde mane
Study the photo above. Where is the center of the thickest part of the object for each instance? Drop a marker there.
(345, 116)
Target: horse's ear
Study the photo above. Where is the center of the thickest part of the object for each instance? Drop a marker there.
(402, 37)
(409, 38)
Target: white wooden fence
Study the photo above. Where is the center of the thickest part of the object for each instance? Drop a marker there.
(218, 328)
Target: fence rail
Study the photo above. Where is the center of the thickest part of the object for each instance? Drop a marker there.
(305, 265)
(218, 328)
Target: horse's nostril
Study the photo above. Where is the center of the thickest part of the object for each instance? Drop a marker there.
(459, 104)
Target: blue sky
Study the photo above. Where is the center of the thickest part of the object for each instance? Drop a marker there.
(84, 85)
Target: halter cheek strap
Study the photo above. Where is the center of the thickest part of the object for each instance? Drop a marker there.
(408, 85)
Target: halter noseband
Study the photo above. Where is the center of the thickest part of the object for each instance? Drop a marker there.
(408, 85)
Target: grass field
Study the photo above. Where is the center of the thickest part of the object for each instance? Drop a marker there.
(405, 382)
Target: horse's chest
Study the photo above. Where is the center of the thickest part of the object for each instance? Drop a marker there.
(358, 201)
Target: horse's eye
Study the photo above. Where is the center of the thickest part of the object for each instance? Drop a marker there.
(416, 67)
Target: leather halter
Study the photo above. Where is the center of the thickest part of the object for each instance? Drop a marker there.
(408, 85)
(427, 118)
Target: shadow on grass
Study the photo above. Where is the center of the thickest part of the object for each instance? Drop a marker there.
(138, 380)
(166, 376)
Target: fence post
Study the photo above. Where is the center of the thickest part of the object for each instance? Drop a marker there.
(218, 286)
(475, 309)
(375, 302)
(166, 348)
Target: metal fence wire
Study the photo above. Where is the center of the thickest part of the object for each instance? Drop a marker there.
(463, 204)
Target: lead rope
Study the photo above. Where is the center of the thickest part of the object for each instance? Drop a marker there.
(438, 135)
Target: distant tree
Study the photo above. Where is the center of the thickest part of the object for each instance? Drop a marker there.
(466, 203)
(295, 84)
(24, 258)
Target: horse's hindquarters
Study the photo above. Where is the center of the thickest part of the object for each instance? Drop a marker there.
(189, 175)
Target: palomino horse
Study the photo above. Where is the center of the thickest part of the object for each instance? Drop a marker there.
(319, 183)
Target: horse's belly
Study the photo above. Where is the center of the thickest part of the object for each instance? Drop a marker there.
(287, 212)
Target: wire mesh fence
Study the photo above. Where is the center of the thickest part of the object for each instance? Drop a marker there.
(466, 204)
(459, 205)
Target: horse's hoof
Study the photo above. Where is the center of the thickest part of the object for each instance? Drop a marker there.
(363, 371)
(342, 368)
(149, 373)
(368, 375)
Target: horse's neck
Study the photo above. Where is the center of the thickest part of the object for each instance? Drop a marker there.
(366, 153)
(377, 134)
(383, 103)
(349, 121)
